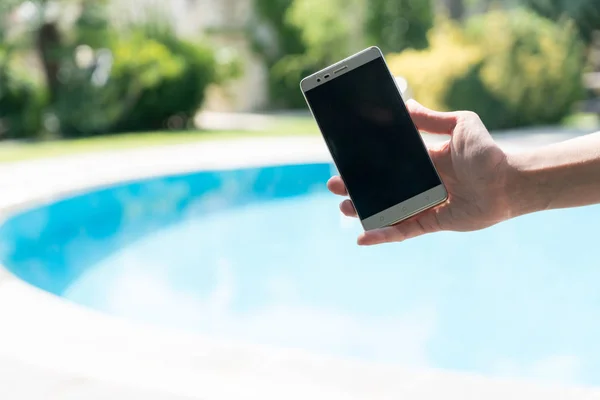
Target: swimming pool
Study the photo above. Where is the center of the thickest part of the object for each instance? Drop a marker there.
(262, 255)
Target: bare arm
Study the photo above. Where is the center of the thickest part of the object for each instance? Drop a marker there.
(486, 185)
(561, 175)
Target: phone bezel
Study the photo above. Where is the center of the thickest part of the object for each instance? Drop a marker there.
(403, 210)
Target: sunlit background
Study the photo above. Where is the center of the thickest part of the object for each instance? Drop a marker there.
(171, 175)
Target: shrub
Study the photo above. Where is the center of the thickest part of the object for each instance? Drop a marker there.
(531, 69)
(103, 98)
(585, 13)
(513, 68)
(330, 29)
(92, 27)
(431, 72)
(139, 84)
(21, 103)
(177, 90)
(140, 77)
(308, 35)
(395, 25)
(143, 77)
(280, 39)
(180, 95)
(311, 34)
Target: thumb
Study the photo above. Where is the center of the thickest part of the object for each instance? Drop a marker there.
(419, 225)
(439, 154)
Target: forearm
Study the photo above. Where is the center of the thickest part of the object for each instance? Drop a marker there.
(561, 175)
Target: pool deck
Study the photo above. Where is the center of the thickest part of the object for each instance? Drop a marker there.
(54, 349)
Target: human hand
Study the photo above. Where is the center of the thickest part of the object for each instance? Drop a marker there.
(472, 167)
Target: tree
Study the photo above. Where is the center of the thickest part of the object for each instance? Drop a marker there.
(330, 29)
(47, 39)
(283, 37)
(273, 38)
(455, 8)
(306, 35)
(585, 13)
(395, 25)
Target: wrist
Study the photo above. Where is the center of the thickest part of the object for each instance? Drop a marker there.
(527, 188)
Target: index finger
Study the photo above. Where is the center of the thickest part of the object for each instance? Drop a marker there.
(336, 186)
(431, 121)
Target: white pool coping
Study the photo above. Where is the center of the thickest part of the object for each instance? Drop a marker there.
(54, 349)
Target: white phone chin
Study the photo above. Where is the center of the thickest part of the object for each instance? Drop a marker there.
(374, 143)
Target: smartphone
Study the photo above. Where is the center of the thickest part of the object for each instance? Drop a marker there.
(376, 147)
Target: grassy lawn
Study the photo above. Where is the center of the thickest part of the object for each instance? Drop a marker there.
(288, 126)
(279, 126)
(582, 120)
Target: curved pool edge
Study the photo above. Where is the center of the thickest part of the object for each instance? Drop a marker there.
(126, 359)
(108, 352)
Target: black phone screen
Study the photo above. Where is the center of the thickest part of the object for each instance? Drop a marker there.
(374, 143)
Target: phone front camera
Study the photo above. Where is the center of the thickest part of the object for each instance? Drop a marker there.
(318, 79)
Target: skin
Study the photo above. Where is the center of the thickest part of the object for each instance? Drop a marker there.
(486, 185)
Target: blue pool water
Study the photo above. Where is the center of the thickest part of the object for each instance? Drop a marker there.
(263, 255)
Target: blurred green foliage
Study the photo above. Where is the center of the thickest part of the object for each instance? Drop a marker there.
(431, 72)
(172, 88)
(22, 97)
(93, 28)
(274, 38)
(330, 29)
(21, 102)
(103, 79)
(585, 13)
(113, 91)
(311, 34)
(514, 68)
(155, 80)
(397, 25)
(530, 73)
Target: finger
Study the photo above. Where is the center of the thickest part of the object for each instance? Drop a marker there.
(439, 153)
(336, 186)
(437, 148)
(405, 230)
(347, 208)
(431, 121)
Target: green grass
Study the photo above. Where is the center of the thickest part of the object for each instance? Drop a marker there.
(582, 120)
(9, 152)
(280, 126)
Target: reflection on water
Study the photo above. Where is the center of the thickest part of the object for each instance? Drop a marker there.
(50, 246)
(262, 255)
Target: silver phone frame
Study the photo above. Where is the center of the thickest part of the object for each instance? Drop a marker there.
(408, 208)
